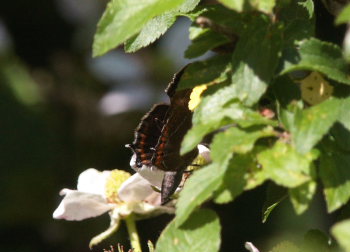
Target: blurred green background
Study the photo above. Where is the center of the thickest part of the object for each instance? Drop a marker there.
(63, 112)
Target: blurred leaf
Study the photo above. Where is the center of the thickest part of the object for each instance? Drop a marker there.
(311, 124)
(209, 71)
(341, 232)
(240, 5)
(200, 233)
(309, 6)
(315, 240)
(123, 19)
(286, 246)
(344, 16)
(320, 56)
(157, 26)
(199, 187)
(302, 195)
(335, 175)
(20, 82)
(204, 42)
(285, 166)
(274, 195)
(255, 60)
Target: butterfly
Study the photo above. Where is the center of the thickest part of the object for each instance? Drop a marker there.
(159, 135)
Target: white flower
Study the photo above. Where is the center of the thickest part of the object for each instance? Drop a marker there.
(115, 192)
(250, 247)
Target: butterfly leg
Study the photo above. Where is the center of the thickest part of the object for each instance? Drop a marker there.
(171, 181)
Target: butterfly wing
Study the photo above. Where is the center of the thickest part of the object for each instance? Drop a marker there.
(147, 134)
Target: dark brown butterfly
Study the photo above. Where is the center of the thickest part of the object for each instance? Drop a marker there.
(159, 135)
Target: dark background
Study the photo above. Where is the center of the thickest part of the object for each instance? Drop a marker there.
(63, 112)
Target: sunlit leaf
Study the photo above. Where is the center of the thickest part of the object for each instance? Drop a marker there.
(341, 232)
(124, 18)
(201, 232)
(285, 166)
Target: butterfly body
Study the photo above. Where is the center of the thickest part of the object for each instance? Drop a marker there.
(159, 135)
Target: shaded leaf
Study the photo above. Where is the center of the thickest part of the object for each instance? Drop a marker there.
(204, 42)
(209, 71)
(123, 19)
(200, 233)
(255, 60)
(316, 55)
(335, 175)
(309, 6)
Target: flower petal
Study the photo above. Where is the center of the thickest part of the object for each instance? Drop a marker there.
(134, 189)
(204, 152)
(93, 181)
(250, 247)
(80, 205)
(150, 173)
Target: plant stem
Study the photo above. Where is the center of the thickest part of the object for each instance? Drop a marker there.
(133, 235)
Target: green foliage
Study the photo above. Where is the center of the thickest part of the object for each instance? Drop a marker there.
(341, 232)
(123, 19)
(264, 130)
(200, 233)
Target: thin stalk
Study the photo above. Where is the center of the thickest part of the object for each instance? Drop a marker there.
(133, 235)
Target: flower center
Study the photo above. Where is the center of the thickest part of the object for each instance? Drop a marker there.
(113, 183)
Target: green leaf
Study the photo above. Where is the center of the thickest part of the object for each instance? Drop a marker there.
(302, 195)
(341, 136)
(316, 55)
(199, 187)
(236, 140)
(335, 176)
(344, 16)
(341, 232)
(204, 42)
(310, 125)
(240, 5)
(315, 240)
(157, 26)
(274, 195)
(309, 5)
(285, 166)
(344, 114)
(211, 71)
(213, 113)
(298, 24)
(255, 60)
(200, 233)
(243, 173)
(122, 19)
